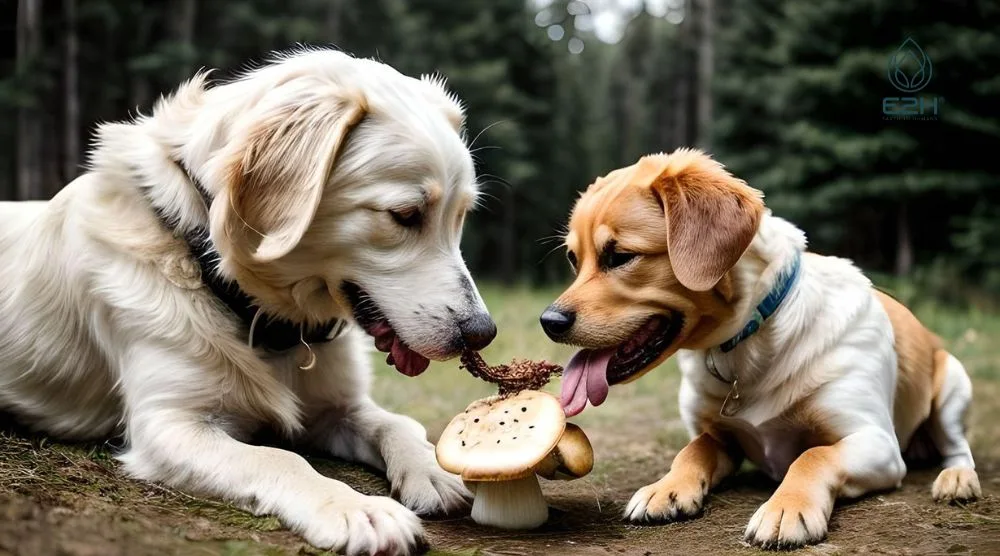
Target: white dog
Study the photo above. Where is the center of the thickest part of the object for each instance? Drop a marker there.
(194, 285)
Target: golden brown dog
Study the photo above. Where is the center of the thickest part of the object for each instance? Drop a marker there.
(788, 358)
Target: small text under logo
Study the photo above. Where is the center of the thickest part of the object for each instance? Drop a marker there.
(909, 71)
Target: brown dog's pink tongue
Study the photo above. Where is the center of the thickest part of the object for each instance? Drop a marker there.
(585, 378)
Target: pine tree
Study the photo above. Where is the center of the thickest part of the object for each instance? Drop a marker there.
(802, 101)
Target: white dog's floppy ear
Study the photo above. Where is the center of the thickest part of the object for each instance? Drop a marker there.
(712, 217)
(280, 164)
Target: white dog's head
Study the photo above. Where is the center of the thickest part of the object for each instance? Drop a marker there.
(339, 188)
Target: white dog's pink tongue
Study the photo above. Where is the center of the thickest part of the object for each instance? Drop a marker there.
(384, 336)
(585, 378)
(406, 361)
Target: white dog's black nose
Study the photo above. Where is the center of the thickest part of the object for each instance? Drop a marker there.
(478, 331)
(556, 322)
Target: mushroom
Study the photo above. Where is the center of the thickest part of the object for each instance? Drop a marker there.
(500, 443)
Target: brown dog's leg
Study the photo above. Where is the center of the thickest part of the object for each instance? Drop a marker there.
(797, 513)
(958, 481)
(700, 465)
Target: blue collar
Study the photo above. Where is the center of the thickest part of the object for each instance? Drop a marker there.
(769, 305)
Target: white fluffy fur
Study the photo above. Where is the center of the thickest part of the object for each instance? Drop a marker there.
(105, 327)
(828, 350)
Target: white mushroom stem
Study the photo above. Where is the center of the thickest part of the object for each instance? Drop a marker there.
(516, 504)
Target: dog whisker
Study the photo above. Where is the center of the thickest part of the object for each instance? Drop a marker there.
(484, 130)
(550, 239)
(492, 178)
(549, 253)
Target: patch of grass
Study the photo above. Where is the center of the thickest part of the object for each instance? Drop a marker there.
(245, 548)
(970, 329)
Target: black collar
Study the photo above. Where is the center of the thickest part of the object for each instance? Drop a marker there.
(270, 333)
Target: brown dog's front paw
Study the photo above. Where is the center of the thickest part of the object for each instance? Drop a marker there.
(956, 484)
(671, 498)
(789, 520)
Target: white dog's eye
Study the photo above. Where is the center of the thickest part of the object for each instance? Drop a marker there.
(409, 217)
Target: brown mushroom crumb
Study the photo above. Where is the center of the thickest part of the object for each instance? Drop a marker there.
(520, 374)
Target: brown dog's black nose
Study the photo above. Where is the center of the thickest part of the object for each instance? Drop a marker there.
(478, 331)
(556, 322)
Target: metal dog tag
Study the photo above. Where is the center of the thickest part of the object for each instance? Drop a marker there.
(732, 404)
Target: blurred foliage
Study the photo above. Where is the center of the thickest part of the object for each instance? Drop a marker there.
(798, 89)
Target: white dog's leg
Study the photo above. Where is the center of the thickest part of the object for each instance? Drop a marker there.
(958, 481)
(173, 441)
(344, 421)
(398, 445)
(798, 512)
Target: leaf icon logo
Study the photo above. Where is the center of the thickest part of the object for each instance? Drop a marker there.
(910, 68)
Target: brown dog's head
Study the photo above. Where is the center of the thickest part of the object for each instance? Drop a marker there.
(652, 245)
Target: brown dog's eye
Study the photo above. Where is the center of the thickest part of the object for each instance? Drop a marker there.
(614, 259)
(408, 218)
(620, 259)
(571, 257)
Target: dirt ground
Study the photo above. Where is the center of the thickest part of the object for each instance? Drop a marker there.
(71, 500)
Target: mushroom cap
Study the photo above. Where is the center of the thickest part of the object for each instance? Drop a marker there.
(572, 458)
(502, 439)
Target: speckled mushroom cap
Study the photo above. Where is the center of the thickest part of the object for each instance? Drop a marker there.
(502, 439)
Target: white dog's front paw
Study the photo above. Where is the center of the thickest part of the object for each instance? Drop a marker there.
(429, 490)
(355, 524)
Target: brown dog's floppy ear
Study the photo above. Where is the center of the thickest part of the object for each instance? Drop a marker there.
(711, 216)
(280, 167)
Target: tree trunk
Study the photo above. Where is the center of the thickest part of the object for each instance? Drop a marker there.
(29, 124)
(140, 90)
(706, 66)
(182, 30)
(904, 242)
(682, 83)
(334, 15)
(71, 121)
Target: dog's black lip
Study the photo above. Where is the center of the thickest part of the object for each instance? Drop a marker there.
(621, 367)
(366, 313)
